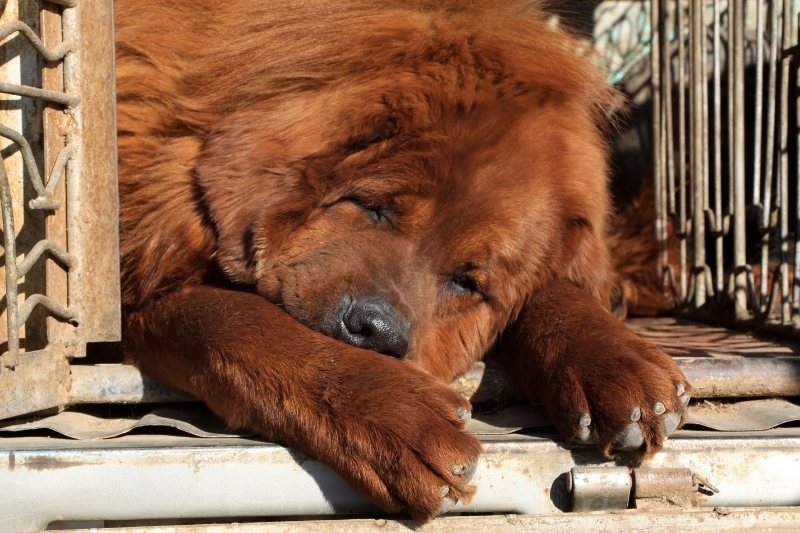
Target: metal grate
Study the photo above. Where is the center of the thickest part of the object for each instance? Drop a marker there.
(57, 194)
(723, 82)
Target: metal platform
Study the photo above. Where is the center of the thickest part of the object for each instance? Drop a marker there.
(149, 454)
(146, 477)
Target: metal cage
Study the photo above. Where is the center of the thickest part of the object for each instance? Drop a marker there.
(57, 193)
(720, 147)
(725, 157)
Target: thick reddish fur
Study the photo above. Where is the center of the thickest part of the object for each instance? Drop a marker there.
(246, 128)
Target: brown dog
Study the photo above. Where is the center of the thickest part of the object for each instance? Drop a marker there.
(330, 209)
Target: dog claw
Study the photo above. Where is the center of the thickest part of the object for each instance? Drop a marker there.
(685, 400)
(659, 408)
(446, 506)
(636, 414)
(463, 413)
(631, 439)
(680, 389)
(671, 421)
(584, 434)
(464, 471)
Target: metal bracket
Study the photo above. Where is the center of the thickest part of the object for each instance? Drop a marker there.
(619, 487)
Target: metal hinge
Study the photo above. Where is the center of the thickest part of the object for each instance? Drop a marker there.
(614, 488)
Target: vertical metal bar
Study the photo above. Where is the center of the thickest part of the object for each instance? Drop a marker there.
(769, 158)
(10, 253)
(697, 88)
(703, 57)
(739, 237)
(796, 213)
(91, 176)
(757, 136)
(665, 195)
(783, 176)
(719, 221)
(669, 141)
(682, 224)
(655, 87)
(758, 104)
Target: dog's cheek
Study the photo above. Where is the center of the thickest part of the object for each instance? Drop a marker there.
(446, 347)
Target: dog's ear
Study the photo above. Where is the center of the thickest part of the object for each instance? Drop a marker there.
(585, 208)
(586, 259)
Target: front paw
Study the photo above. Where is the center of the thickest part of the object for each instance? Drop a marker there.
(397, 435)
(622, 393)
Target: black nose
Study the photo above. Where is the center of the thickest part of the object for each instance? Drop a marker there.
(371, 323)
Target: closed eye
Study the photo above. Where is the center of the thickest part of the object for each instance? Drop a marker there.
(377, 214)
(464, 284)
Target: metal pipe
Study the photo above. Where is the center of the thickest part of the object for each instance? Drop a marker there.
(658, 172)
(38, 250)
(758, 134)
(758, 104)
(739, 236)
(697, 153)
(796, 214)
(108, 480)
(54, 308)
(28, 159)
(10, 359)
(719, 218)
(42, 94)
(681, 229)
(783, 228)
(711, 377)
(669, 141)
(766, 225)
(50, 54)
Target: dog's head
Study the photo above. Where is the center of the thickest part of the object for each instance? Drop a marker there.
(406, 193)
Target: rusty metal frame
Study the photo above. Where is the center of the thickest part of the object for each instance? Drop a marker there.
(58, 176)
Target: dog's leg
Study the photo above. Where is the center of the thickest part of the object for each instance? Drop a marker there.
(598, 381)
(390, 429)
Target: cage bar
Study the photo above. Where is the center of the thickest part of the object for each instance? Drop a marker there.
(58, 194)
(731, 216)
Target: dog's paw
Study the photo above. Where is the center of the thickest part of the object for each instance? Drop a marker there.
(397, 435)
(627, 396)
